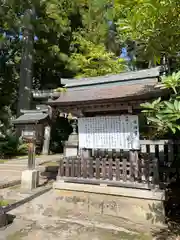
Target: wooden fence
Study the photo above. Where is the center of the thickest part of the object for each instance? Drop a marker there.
(146, 168)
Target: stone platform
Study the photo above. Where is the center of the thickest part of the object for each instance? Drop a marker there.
(136, 205)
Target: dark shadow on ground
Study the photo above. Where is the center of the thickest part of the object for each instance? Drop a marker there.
(6, 220)
(50, 173)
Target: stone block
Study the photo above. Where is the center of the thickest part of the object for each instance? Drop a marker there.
(70, 151)
(111, 204)
(29, 179)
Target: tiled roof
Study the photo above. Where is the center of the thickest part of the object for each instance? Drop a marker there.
(107, 79)
(97, 94)
(33, 117)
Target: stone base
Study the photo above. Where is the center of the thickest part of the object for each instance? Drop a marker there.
(70, 151)
(111, 203)
(29, 179)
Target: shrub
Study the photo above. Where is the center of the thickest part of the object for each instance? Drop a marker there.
(22, 149)
(11, 146)
(8, 146)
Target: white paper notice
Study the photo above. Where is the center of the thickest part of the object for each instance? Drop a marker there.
(110, 132)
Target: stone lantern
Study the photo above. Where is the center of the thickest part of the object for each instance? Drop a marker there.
(32, 125)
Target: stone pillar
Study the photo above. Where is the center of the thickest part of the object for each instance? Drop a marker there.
(30, 177)
(46, 143)
(71, 146)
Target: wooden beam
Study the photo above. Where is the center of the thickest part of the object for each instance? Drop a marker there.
(105, 107)
(130, 109)
(79, 110)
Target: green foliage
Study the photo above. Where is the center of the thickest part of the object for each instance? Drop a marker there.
(92, 60)
(60, 89)
(22, 149)
(75, 39)
(3, 203)
(171, 82)
(89, 55)
(8, 146)
(55, 24)
(95, 16)
(11, 146)
(153, 24)
(56, 53)
(8, 81)
(165, 115)
(52, 26)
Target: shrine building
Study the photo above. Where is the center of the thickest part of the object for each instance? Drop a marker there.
(105, 153)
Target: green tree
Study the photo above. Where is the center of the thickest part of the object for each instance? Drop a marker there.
(164, 115)
(71, 35)
(9, 80)
(92, 59)
(153, 24)
(52, 26)
(94, 46)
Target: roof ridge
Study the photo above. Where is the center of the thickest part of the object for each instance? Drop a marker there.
(121, 77)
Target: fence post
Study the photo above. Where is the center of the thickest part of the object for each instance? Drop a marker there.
(67, 167)
(110, 173)
(78, 166)
(90, 168)
(155, 171)
(117, 161)
(105, 157)
(61, 169)
(131, 161)
(84, 166)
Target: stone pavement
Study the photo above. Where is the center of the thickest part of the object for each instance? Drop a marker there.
(43, 219)
(11, 170)
(39, 219)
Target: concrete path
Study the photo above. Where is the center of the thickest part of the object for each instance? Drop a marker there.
(11, 170)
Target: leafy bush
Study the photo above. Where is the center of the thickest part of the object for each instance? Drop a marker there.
(11, 146)
(91, 59)
(22, 149)
(8, 146)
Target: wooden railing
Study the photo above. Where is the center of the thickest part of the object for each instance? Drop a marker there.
(138, 169)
